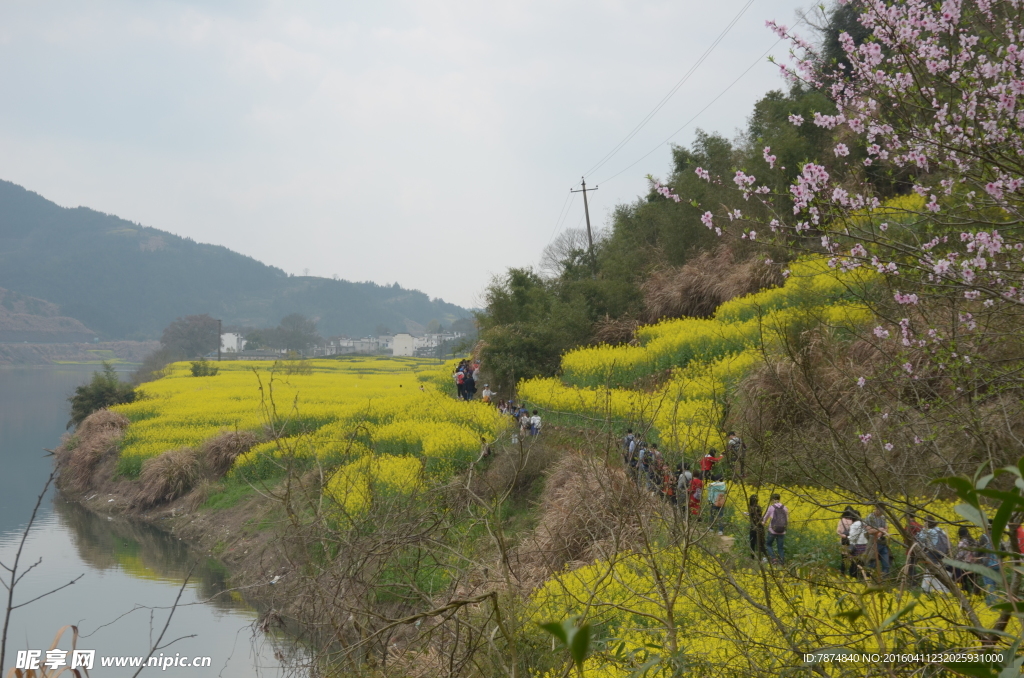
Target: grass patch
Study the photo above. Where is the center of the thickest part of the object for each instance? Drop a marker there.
(227, 494)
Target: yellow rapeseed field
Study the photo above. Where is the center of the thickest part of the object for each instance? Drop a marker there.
(380, 420)
(672, 601)
(697, 361)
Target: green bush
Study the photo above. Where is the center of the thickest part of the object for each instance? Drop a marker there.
(203, 368)
(105, 390)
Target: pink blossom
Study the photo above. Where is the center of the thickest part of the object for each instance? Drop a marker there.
(888, 447)
(861, 381)
(707, 219)
(796, 119)
(865, 438)
(841, 150)
(881, 332)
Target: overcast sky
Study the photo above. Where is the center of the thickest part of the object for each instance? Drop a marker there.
(426, 143)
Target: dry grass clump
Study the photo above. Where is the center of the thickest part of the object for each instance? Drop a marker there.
(102, 421)
(167, 476)
(586, 507)
(80, 452)
(219, 453)
(700, 286)
(610, 330)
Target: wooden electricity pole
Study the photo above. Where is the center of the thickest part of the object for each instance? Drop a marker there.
(586, 211)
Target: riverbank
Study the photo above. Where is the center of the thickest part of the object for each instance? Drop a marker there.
(86, 353)
(238, 532)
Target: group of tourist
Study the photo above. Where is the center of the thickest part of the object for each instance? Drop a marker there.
(702, 492)
(864, 542)
(466, 375)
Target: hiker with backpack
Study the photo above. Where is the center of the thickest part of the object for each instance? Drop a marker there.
(776, 519)
(683, 476)
(934, 541)
(642, 463)
(716, 501)
(737, 451)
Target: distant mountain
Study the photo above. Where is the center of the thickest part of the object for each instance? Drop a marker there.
(128, 281)
(35, 320)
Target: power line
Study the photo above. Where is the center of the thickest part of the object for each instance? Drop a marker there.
(671, 92)
(562, 215)
(697, 114)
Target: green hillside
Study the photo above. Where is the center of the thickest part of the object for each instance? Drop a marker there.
(129, 281)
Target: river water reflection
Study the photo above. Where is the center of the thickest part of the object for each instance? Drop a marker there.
(125, 566)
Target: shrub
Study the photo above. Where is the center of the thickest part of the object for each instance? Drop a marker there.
(105, 390)
(203, 368)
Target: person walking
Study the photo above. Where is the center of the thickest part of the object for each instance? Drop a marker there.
(934, 541)
(716, 502)
(737, 452)
(965, 552)
(696, 494)
(858, 545)
(935, 546)
(683, 478)
(878, 540)
(776, 519)
(753, 514)
(535, 424)
(707, 462)
(460, 383)
(843, 530)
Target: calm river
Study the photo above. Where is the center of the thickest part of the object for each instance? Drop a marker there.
(124, 565)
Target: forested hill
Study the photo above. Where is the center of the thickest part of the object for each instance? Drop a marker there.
(129, 281)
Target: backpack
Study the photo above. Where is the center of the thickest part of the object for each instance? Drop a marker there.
(780, 519)
(944, 545)
(719, 501)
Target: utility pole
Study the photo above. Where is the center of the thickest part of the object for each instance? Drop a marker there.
(586, 211)
(220, 340)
